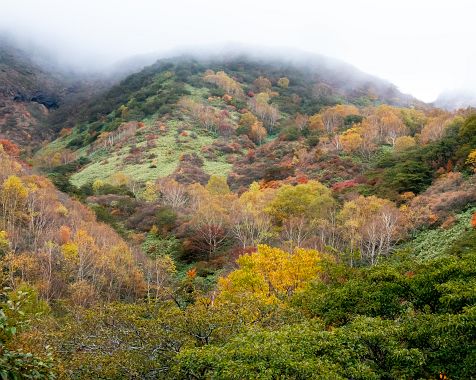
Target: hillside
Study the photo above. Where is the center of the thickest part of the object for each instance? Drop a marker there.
(146, 123)
(143, 147)
(28, 94)
(37, 95)
(215, 218)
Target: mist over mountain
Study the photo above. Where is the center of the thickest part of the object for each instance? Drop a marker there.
(328, 69)
(35, 85)
(456, 99)
(407, 50)
(28, 92)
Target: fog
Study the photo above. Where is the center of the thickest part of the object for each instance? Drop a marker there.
(423, 47)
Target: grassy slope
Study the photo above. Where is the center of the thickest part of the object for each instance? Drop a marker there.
(433, 243)
(165, 154)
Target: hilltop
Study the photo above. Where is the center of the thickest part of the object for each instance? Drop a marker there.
(145, 124)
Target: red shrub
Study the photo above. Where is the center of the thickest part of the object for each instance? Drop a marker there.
(10, 148)
(250, 155)
(192, 273)
(227, 98)
(339, 186)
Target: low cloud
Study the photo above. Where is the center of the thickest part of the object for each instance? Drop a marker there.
(422, 47)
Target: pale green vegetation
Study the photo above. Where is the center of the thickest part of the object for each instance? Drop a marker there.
(166, 155)
(434, 243)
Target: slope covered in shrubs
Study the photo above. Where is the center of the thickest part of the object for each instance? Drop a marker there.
(242, 219)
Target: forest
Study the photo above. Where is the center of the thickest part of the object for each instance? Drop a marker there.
(240, 219)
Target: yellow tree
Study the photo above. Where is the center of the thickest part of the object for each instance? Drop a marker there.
(283, 82)
(270, 275)
(435, 128)
(351, 140)
(404, 142)
(13, 196)
(471, 160)
(387, 123)
(4, 243)
(250, 224)
(116, 272)
(297, 208)
(369, 138)
(82, 253)
(247, 120)
(394, 128)
(150, 192)
(217, 185)
(333, 117)
(228, 84)
(257, 132)
(21, 267)
(98, 184)
(266, 112)
(315, 123)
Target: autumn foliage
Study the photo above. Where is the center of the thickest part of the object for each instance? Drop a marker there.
(10, 148)
(226, 221)
(270, 274)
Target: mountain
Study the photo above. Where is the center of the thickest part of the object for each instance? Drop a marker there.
(224, 214)
(454, 100)
(28, 93)
(37, 94)
(147, 123)
(39, 97)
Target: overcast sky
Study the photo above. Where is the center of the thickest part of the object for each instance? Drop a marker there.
(422, 46)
